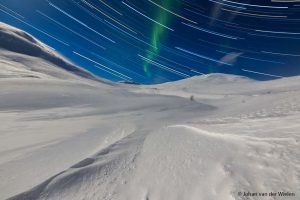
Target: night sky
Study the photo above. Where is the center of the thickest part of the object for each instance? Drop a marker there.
(154, 41)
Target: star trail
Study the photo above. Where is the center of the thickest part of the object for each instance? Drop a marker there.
(155, 41)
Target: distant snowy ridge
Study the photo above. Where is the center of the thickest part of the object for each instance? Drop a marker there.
(20, 48)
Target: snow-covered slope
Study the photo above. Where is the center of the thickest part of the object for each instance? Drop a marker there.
(21, 55)
(220, 85)
(72, 139)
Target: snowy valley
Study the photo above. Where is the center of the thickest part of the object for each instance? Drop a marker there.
(66, 134)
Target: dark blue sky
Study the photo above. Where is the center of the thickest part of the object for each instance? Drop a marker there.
(153, 41)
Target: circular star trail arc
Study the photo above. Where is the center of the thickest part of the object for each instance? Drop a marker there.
(154, 41)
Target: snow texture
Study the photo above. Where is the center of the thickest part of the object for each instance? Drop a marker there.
(65, 136)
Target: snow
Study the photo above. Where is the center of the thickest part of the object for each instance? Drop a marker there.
(63, 136)
(32, 58)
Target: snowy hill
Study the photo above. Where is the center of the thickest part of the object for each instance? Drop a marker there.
(64, 137)
(20, 53)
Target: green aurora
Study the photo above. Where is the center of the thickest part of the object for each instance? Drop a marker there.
(159, 33)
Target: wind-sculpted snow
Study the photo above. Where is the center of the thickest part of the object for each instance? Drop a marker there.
(216, 137)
